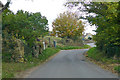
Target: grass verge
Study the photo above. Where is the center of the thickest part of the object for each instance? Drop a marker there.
(10, 69)
(99, 58)
(117, 68)
(73, 47)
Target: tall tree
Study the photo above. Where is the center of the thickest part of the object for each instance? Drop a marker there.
(108, 26)
(4, 6)
(68, 25)
(23, 26)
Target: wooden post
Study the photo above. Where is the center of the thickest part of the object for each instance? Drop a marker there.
(54, 42)
(49, 41)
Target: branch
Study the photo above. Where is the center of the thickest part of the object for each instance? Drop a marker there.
(5, 7)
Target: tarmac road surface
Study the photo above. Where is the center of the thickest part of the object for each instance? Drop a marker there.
(70, 64)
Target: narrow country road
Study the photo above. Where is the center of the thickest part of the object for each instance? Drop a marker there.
(70, 64)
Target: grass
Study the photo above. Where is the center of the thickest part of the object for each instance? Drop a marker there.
(117, 68)
(10, 69)
(99, 56)
(95, 54)
(73, 47)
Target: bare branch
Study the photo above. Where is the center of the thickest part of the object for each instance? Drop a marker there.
(5, 6)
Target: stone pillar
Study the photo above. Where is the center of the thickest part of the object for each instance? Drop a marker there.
(54, 43)
(43, 45)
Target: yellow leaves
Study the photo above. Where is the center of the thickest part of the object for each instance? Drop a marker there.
(13, 37)
(21, 60)
(52, 34)
(62, 35)
(16, 35)
(67, 24)
(23, 37)
(68, 31)
(71, 33)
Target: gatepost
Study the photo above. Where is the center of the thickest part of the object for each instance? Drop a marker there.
(54, 42)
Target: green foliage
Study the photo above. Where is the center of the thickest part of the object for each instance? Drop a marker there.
(52, 38)
(67, 25)
(107, 20)
(117, 68)
(73, 47)
(18, 67)
(71, 42)
(62, 41)
(48, 52)
(97, 55)
(107, 38)
(25, 26)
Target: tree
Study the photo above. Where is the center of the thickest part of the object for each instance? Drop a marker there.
(107, 38)
(107, 20)
(22, 27)
(5, 6)
(67, 25)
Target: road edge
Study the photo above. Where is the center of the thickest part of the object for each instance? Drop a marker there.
(101, 65)
(24, 74)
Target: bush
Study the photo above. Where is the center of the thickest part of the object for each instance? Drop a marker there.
(63, 41)
(72, 47)
(52, 38)
(117, 68)
(97, 55)
(10, 69)
(6, 57)
(47, 53)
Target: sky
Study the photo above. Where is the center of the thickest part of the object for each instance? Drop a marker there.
(48, 8)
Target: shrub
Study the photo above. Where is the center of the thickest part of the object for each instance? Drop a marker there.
(72, 47)
(117, 68)
(96, 54)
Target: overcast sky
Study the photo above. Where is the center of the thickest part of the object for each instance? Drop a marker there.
(49, 8)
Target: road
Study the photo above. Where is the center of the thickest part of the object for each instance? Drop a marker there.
(70, 64)
(91, 44)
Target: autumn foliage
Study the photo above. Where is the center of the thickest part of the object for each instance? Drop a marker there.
(67, 25)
